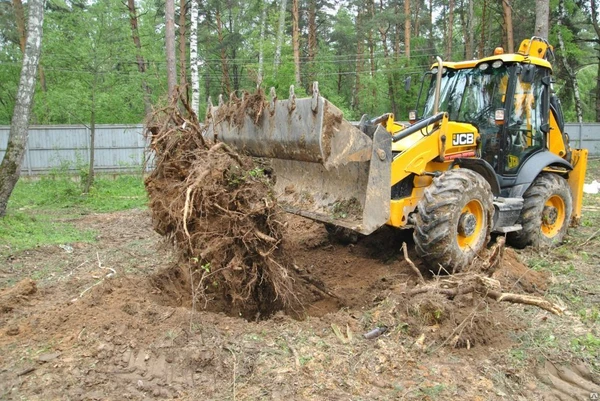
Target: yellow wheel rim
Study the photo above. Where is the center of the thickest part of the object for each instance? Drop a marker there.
(553, 216)
(470, 224)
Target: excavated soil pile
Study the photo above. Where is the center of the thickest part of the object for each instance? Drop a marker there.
(217, 207)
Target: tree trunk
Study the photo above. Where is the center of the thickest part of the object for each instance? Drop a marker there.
(182, 46)
(312, 42)
(372, 45)
(450, 30)
(296, 41)
(225, 81)
(508, 25)
(194, 57)
(470, 39)
(598, 92)
(542, 18)
(594, 20)
(170, 46)
(465, 28)
(563, 53)
(431, 41)
(280, 29)
(20, 20)
(407, 29)
(417, 18)
(235, 70)
(261, 51)
(383, 31)
(141, 64)
(90, 177)
(359, 61)
(10, 168)
(397, 30)
(483, 25)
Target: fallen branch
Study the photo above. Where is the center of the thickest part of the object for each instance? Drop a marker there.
(450, 292)
(524, 299)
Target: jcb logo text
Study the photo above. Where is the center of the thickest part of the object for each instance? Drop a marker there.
(463, 139)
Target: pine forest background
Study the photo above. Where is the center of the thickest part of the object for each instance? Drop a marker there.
(104, 60)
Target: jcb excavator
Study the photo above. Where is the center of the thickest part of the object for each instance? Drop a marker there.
(488, 153)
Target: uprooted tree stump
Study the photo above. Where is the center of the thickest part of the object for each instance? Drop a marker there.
(217, 207)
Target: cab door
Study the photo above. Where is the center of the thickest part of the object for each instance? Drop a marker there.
(526, 121)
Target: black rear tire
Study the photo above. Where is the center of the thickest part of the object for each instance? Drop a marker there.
(546, 213)
(453, 221)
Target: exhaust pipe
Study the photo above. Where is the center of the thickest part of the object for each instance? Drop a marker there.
(438, 86)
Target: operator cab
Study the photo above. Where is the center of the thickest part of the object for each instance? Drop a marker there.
(506, 98)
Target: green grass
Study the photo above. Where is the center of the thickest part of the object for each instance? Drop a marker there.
(20, 231)
(37, 209)
(588, 344)
(60, 192)
(593, 170)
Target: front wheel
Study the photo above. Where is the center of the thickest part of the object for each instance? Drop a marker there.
(546, 213)
(454, 219)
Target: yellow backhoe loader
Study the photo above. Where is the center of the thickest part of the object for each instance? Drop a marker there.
(488, 153)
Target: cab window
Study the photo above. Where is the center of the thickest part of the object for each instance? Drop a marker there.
(525, 119)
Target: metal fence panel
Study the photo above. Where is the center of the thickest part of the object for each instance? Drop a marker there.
(585, 135)
(122, 147)
(117, 148)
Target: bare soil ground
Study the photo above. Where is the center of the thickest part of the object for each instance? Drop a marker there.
(113, 320)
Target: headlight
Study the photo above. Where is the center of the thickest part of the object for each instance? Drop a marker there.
(484, 66)
(434, 70)
(497, 64)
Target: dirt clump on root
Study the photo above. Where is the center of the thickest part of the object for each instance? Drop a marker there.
(218, 209)
(236, 110)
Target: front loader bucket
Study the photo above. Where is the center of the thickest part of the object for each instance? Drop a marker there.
(326, 169)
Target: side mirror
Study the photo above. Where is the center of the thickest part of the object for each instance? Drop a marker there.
(407, 83)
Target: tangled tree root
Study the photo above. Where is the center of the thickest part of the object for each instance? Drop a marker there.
(469, 282)
(217, 208)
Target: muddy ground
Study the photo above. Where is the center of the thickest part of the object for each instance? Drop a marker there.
(112, 320)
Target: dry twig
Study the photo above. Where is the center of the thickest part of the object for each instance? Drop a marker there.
(411, 264)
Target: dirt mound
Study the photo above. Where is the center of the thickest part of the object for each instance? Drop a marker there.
(218, 209)
(16, 295)
(466, 321)
(515, 275)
